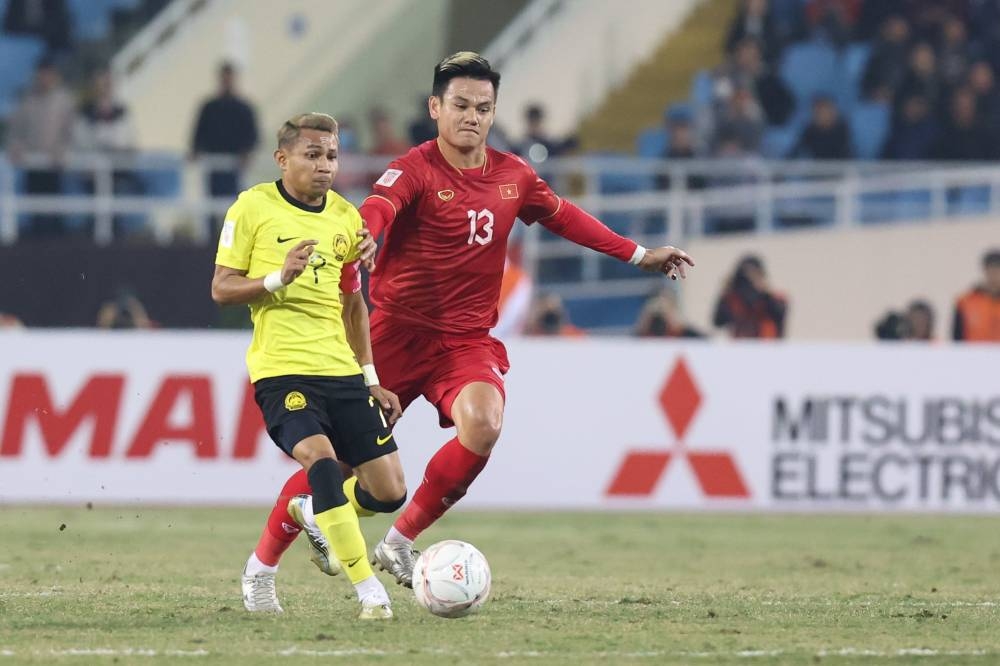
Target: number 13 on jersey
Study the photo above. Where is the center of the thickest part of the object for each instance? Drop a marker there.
(485, 216)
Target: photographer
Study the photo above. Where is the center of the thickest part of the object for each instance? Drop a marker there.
(659, 318)
(915, 323)
(748, 307)
(549, 317)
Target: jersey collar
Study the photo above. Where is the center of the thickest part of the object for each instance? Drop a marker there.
(318, 208)
(465, 172)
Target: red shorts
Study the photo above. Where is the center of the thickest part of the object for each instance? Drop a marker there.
(412, 363)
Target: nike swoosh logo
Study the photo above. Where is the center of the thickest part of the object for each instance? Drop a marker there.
(285, 240)
(353, 562)
(382, 440)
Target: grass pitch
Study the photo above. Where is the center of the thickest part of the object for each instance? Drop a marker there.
(145, 586)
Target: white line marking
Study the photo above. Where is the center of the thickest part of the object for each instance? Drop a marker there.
(124, 652)
(346, 652)
(43, 593)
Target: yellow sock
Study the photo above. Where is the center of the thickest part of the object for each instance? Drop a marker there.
(352, 497)
(341, 529)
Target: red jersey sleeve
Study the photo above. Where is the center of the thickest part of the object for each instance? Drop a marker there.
(350, 278)
(540, 201)
(400, 185)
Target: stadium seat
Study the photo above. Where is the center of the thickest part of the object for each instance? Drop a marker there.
(809, 69)
(604, 311)
(653, 142)
(18, 55)
(702, 89)
(869, 124)
(853, 61)
(969, 200)
(779, 141)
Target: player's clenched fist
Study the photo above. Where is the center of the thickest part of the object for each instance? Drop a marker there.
(296, 261)
(667, 260)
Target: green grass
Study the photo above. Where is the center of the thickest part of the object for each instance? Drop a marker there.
(570, 588)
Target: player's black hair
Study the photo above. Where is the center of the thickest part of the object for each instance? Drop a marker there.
(464, 63)
(991, 258)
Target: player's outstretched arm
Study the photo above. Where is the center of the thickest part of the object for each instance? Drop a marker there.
(231, 286)
(359, 338)
(575, 224)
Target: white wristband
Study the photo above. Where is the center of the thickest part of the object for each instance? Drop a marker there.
(272, 281)
(638, 255)
(371, 377)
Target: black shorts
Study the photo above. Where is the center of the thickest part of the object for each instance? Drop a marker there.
(299, 406)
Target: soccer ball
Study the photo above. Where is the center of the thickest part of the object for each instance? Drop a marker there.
(451, 579)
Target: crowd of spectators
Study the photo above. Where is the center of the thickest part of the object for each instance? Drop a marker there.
(931, 65)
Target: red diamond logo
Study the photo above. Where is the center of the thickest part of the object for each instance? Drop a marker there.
(680, 398)
(640, 473)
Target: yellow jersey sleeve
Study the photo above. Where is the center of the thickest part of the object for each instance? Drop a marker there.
(237, 237)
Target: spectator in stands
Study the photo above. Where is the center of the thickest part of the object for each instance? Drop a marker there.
(48, 19)
(42, 125)
(964, 137)
(887, 64)
(103, 124)
(755, 20)
(746, 67)
(659, 318)
(984, 27)
(833, 20)
(385, 140)
(741, 117)
(977, 312)
(922, 76)
(953, 53)
(423, 128)
(548, 317)
(920, 319)
(681, 146)
(226, 126)
(748, 307)
(827, 136)
(914, 130)
(982, 82)
(538, 145)
(124, 311)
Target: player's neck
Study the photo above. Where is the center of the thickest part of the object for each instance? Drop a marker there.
(472, 159)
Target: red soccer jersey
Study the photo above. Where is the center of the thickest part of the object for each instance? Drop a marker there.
(442, 257)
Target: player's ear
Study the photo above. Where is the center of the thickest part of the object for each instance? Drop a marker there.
(280, 158)
(434, 106)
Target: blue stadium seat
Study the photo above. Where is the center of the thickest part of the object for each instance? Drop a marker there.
(604, 311)
(809, 69)
(779, 141)
(18, 55)
(652, 142)
(852, 69)
(702, 89)
(969, 200)
(869, 127)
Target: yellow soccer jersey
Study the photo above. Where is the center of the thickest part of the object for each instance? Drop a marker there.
(297, 330)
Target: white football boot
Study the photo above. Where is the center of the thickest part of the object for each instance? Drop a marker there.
(320, 554)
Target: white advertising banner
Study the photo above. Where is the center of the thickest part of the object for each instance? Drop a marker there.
(169, 418)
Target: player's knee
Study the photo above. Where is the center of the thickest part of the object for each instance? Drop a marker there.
(480, 433)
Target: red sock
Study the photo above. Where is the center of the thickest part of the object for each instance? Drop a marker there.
(281, 528)
(446, 479)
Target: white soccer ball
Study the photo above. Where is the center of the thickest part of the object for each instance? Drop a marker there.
(451, 579)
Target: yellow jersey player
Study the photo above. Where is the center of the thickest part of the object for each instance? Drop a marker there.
(290, 250)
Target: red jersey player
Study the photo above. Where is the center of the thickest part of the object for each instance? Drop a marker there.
(447, 207)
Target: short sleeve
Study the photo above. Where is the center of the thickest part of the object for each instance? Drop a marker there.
(540, 201)
(236, 239)
(400, 185)
(355, 240)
